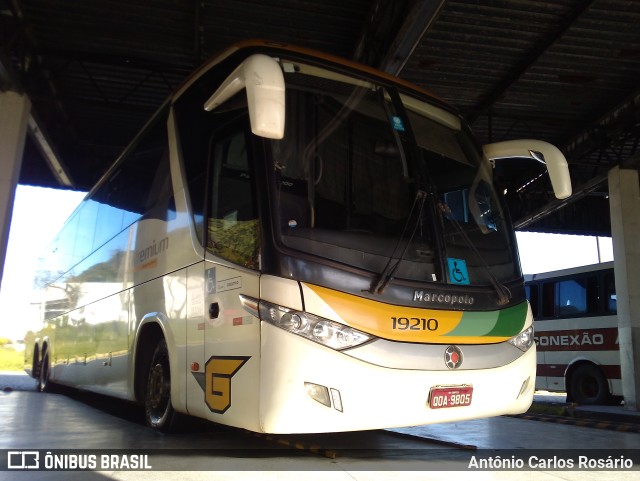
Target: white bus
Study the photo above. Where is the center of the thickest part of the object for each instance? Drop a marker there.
(295, 243)
(576, 332)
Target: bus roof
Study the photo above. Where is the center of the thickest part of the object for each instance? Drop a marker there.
(283, 48)
(568, 272)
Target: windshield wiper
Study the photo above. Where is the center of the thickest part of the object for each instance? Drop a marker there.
(386, 276)
(502, 291)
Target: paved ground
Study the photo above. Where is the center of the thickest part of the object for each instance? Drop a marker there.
(94, 425)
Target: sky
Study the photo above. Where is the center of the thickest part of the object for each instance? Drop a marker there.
(39, 214)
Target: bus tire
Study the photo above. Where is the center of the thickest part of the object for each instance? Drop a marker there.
(35, 372)
(159, 411)
(43, 381)
(588, 385)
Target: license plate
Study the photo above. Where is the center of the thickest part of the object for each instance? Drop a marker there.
(450, 397)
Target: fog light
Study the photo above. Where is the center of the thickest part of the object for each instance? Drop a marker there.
(337, 399)
(318, 393)
(524, 387)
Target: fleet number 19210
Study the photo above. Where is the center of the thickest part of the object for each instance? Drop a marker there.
(414, 324)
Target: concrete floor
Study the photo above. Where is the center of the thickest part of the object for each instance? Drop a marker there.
(93, 425)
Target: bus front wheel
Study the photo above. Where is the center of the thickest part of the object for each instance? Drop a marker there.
(159, 411)
(588, 385)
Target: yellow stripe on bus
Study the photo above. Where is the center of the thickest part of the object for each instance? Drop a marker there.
(398, 323)
(377, 318)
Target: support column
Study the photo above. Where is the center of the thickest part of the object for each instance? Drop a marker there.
(624, 204)
(14, 115)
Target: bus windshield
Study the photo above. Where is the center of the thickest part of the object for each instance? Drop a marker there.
(367, 175)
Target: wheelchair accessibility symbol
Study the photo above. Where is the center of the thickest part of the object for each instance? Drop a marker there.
(458, 271)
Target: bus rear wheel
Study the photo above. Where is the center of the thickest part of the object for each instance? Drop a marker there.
(43, 382)
(588, 385)
(159, 411)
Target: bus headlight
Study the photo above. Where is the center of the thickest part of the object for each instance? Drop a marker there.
(323, 331)
(524, 340)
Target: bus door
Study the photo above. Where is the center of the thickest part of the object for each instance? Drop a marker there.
(231, 335)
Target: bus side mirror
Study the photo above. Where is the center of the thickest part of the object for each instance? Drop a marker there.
(541, 151)
(262, 77)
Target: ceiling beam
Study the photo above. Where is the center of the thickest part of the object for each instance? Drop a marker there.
(599, 136)
(526, 61)
(557, 204)
(365, 51)
(10, 80)
(198, 32)
(622, 118)
(57, 167)
(408, 37)
(393, 31)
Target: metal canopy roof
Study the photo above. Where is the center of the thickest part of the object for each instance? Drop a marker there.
(565, 71)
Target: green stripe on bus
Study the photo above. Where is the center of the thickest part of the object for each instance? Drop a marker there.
(475, 324)
(505, 323)
(510, 321)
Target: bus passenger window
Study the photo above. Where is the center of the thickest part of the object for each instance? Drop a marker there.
(548, 299)
(593, 295)
(233, 231)
(532, 295)
(611, 306)
(572, 297)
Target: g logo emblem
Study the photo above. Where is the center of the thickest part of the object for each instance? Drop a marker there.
(453, 357)
(218, 371)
